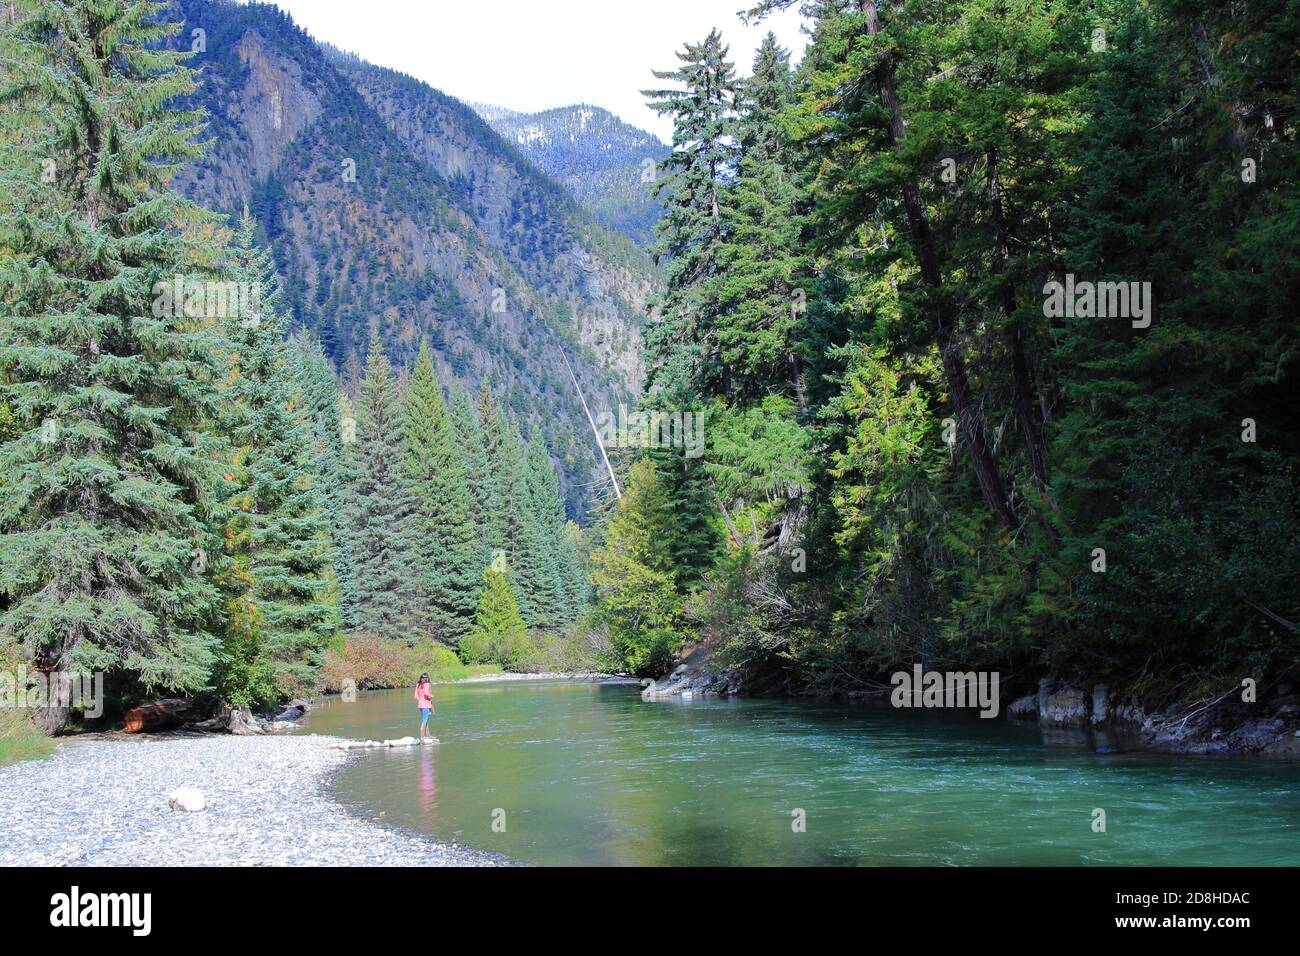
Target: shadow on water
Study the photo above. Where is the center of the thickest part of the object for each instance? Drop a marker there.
(586, 774)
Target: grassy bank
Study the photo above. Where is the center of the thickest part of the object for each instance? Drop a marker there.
(20, 739)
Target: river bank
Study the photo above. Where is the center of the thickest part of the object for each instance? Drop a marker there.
(104, 802)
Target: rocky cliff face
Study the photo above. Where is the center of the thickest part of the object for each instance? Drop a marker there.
(390, 206)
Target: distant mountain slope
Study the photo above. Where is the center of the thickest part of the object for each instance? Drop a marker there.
(391, 206)
(603, 161)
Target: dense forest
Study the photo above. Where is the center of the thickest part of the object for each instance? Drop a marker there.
(990, 306)
(987, 308)
(188, 502)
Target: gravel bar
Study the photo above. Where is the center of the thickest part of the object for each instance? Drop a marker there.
(105, 803)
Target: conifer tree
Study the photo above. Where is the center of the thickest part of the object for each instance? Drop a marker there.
(517, 542)
(561, 567)
(381, 510)
(323, 406)
(447, 541)
(761, 259)
(634, 576)
(680, 343)
(469, 440)
(279, 534)
(499, 635)
(109, 504)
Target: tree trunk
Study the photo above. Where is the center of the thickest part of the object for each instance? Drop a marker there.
(160, 715)
(968, 412)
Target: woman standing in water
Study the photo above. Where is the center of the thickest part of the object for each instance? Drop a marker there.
(424, 700)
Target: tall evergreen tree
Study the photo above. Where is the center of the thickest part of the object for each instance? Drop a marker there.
(761, 259)
(562, 568)
(469, 440)
(681, 347)
(517, 541)
(278, 533)
(381, 509)
(447, 541)
(110, 494)
(323, 407)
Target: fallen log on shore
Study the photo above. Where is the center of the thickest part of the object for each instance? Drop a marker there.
(160, 715)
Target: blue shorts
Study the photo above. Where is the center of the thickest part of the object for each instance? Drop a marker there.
(424, 716)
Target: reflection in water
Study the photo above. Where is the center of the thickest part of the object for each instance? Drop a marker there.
(428, 783)
(589, 774)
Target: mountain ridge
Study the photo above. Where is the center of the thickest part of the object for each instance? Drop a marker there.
(390, 206)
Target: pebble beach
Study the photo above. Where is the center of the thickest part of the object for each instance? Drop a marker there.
(105, 802)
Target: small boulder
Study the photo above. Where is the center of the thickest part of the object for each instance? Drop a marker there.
(1024, 708)
(188, 799)
(1100, 704)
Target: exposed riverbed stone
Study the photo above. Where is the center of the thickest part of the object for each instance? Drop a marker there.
(1061, 706)
(1219, 728)
(267, 800)
(189, 799)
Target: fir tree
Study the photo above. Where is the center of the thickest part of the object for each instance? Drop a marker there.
(447, 540)
(474, 460)
(279, 534)
(108, 513)
(516, 538)
(561, 567)
(381, 510)
(681, 347)
(323, 406)
(634, 576)
(761, 260)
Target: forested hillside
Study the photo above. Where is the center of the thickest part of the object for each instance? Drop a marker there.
(607, 164)
(189, 502)
(391, 208)
(934, 433)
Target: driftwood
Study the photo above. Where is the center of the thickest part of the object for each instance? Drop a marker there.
(160, 715)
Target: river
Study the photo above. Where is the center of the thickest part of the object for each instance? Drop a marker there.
(577, 773)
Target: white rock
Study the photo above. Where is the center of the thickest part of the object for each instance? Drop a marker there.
(189, 799)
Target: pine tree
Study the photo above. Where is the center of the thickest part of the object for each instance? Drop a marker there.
(761, 258)
(447, 540)
(381, 510)
(109, 510)
(279, 534)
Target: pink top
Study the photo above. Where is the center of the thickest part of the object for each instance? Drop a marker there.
(423, 695)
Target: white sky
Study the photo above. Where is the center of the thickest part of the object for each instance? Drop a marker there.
(531, 55)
